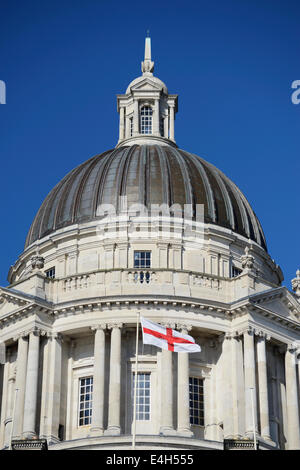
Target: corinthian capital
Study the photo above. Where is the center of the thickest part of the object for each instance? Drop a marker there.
(99, 326)
(184, 326)
(115, 324)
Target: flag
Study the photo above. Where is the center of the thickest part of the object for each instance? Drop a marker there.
(167, 338)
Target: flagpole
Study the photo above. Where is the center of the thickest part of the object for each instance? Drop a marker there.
(135, 380)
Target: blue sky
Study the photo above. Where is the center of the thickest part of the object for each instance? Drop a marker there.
(232, 62)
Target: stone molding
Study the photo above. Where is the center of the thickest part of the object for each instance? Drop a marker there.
(37, 332)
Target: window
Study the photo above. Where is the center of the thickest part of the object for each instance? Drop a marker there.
(131, 126)
(50, 273)
(146, 120)
(161, 127)
(85, 401)
(142, 396)
(235, 271)
(196, 401)
(142, 259)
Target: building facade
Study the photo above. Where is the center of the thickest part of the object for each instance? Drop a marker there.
(147, 228)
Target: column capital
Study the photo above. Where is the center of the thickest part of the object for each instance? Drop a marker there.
(184, 326)
(292, 348)
(168, 324)
(36, 331)
(113, 325)
(22, 334)
(55, 335)
(98, 326)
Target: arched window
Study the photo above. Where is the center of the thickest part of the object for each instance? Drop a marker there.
(146, 120)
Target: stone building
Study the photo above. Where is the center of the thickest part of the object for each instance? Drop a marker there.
(152, 229)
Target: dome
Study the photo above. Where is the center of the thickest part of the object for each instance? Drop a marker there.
(155, 80)
(146, 174)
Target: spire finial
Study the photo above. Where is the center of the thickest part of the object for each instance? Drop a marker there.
(147, 64)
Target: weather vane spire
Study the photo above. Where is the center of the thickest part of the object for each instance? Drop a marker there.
(147, 64)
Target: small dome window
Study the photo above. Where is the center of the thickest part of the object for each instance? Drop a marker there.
(146, 120)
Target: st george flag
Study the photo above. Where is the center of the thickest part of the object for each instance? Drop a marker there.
(167, 338)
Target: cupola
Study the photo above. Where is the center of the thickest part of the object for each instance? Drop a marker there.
(147, 111)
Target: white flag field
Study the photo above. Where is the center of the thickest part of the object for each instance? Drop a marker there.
(167, 338)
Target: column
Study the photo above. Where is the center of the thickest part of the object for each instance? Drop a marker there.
(2, 365)
(263, 388)
(31, 386)
(20, 385)
(167, 426)
(97, 426)
(183, 401)
(172, 117)
(292, 404)
(53, 392)
(228, 416)
(10, 400)
(249, 371)
(237, 387)
(166, 125)
(127, 127)
(122, 123)
(135, 117)
(114, 398)
(156, 118)
(167, 392)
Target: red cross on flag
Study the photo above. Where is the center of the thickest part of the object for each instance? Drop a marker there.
(167, 338)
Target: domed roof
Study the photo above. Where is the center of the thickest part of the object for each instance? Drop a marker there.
(155, 80)
(146, 174)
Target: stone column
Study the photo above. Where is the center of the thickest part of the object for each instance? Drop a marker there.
(97, 426)
(122, 123)
(167, 427)
(156, 118)
(298, 362)
(183, 399)
(127, 127)
(20, 385)
(249, 371)
(53, 392)
(166, 125)
(10, 400)
(114, 399)
(227, 386)
(31, 386)
(172, 117)
(238, 406)
(263, 388)
(136, 118)
(292, 404)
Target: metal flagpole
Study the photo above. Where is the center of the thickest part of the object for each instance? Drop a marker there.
(13, 418)
(253, 418)
(135, 380)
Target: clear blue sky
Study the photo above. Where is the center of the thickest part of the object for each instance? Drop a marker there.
(232, 63)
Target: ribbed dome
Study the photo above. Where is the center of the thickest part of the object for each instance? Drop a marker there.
(146, 174)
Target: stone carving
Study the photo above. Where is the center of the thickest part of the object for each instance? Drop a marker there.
(247, 260)
(37, 262)
(296, 283)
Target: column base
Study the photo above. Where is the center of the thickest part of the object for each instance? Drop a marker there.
(51, 439)
(29, 435)
(97, 431)
(112, 431)
(185, 432)
(167, 431)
